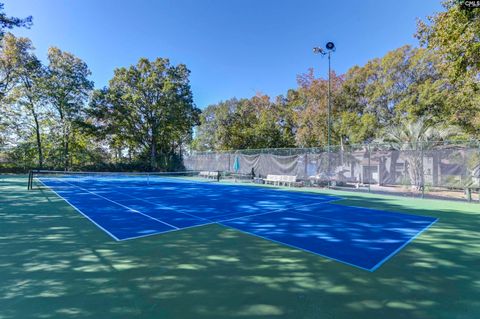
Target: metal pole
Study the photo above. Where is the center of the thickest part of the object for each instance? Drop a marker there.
(330, 47)
(369, 168)
(422, 180)
(328, 124)
(329, 102)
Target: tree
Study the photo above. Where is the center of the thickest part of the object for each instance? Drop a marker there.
(406, 83)
(283, 118)
(414, 137)
(4, 124)
(27, 98)
(12, 22)
(67, 87)
(259, 123)
(150, 106)
(99, 125)
(213, 131)
(8, 69)
(7, 72)
(246, 123)
(354, 128)
(309, 104)
(455, 35)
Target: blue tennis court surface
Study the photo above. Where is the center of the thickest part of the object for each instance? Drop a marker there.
(129, 208)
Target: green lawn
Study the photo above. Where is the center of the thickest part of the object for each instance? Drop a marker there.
(54, 263)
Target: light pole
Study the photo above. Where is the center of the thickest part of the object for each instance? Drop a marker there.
(330, 47)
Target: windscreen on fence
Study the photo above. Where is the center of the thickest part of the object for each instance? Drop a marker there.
(445, 165)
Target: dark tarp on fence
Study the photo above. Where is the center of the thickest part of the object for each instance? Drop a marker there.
(442, 165)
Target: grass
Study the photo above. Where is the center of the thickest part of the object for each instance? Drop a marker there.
(56, 264)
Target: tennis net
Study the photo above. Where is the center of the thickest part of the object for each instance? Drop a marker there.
(38, 179)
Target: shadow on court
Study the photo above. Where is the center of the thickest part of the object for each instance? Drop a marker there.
(57, 264)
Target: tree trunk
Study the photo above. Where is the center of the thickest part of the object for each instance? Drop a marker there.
(65, 153)
(414, 169)
(39, 141)
(37, 133)
(153, 154)
(392, 176)
(65, 147)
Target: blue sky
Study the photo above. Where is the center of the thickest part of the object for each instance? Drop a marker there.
(233, 48)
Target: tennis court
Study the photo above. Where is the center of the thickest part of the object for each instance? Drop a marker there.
(130, 206)
(57, 264)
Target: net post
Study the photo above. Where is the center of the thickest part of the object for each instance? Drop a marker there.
(28, 181)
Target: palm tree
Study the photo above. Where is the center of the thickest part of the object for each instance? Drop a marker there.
(413, 138)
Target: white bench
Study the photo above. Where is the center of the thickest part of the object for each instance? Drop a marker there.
(208, 174)
(287, 180)
(274, 179)
(290, 180)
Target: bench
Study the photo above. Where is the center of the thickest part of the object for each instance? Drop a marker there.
(287, 180)
(208, 174)
(274, 179)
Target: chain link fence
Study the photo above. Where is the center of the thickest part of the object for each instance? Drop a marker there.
(445, 169)
(449, 169)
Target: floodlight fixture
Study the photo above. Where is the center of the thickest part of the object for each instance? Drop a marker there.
(318, 50)
(330, 46)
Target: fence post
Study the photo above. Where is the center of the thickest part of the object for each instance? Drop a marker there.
(422, 180)
(305, 166)
(369, 152)
(229, 162)
(329, 173)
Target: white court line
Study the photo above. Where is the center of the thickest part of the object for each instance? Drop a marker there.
(167, 231)
(176, 228)
(129, 208)
(153, 203)
(224, 215)
(270, 212)
(280, 209)
(359, 224)
(375, 267)
(78, 210)
(127, 238)
(299, 248)
(387, 258)
(220, 223)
